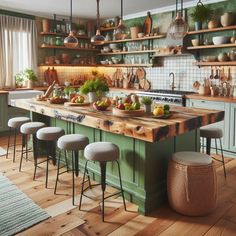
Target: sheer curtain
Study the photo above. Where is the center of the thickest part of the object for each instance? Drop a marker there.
(17, 47)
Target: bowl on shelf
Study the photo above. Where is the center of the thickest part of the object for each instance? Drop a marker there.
(106, 49)
(209, 58)
(113, 46)
(121, 36)
(104, 62)
(115, 60)
(141, 35)
(218, 40)
(195, 42)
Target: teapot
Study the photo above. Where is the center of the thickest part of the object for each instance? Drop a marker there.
(232, 55)
(223, 57)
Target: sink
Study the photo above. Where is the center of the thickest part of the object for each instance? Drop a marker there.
(19, 94)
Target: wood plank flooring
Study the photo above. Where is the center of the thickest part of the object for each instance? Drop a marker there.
(67, 220)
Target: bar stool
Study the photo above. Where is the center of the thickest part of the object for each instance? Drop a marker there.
(102, 152)
(29, 128)
(14, 124)
(73, 143)
(212, 132)
(49, 135)
(192, 183)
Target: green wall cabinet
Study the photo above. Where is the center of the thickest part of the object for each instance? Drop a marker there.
(3, 112)
(232, 127)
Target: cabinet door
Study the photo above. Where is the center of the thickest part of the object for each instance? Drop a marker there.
(232, 127)
(3, 112)
(222, 124)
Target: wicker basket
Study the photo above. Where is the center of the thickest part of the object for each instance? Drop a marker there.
(192, 190)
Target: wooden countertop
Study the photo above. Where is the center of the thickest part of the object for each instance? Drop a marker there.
(144, 127)
(211, 98)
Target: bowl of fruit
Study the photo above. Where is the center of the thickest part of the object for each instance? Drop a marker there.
(102, 105)
(162, 111)
(77, 100)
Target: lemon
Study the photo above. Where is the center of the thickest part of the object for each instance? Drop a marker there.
(158, 111)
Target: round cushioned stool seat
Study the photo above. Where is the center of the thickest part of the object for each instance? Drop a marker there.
(72, 142)
(101, 151)
(191, 183)
(16, 122)
(191, 158)
(50, 133)
(31, 127)
(211, 132)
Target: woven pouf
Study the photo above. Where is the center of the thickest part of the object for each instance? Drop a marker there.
(191, 183)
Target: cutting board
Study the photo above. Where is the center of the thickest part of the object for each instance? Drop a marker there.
(147, 26)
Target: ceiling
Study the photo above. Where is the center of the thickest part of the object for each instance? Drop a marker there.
(84, 8)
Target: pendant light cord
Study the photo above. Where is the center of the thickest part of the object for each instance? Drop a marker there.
(121, 8)
(70, 14)
(98, 15)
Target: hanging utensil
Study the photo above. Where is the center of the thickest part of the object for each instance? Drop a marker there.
(211, 75)
(229, 75)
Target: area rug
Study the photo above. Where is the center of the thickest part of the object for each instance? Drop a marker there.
(3, 151)
(17, 211)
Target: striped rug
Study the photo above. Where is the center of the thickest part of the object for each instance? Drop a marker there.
(17, 211)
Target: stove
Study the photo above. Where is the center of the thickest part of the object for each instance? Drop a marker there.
(174, 97)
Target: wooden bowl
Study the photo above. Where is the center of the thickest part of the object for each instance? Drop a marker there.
(100, 108)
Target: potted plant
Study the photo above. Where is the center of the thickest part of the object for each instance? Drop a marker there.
(19, 79)
(94, 88)
(28, 76)
(134, 30)
(200, 15)
(147, 102)
(69, 92)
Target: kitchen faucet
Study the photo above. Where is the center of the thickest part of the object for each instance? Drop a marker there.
(173, 80)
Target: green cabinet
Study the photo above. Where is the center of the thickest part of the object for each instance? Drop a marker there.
(3, 112)
(228, 125)
(232, 127)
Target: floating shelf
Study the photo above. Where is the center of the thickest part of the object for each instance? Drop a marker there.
(137, 39)
(108, 28)
(62, 34)
(121, 53)
(67, 65)
(130, 65)
(63, 47)
(212, 46)
(232, 27)
(215, 63)
(171, 55)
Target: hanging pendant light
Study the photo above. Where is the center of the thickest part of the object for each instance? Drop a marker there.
(121, 27)
(178, 28)
(98, 39)
(71, 41)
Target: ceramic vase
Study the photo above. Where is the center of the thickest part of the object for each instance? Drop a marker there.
(30, 84)
(134, 32)
(198, 25)
(92, 96)
(147, 109)
(227, 19)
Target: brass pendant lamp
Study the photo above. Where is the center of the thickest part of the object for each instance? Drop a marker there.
(71, 41)
(178, 28)
(98, 39)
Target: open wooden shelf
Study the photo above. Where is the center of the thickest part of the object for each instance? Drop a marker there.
(137, 39)
(63, 47)
(215, 63)
(67, 65)
(171, 55)
(129, 65)
(62, 34)
(228, 45)
(232, 27)
(125, 52)
(108, 28)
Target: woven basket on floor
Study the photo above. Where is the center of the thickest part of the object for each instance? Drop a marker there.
(192, 190)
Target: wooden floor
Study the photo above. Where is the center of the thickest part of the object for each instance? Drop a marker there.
(67, 220)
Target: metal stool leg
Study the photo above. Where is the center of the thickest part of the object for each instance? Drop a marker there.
(66, 160)
(58, 168)
(22, 151)
(222, 156)
(208, 146)
(14, 152)
(121, 188)
(8, 142)
(216, 146)
(82, 188)
(73, 177)
(46, 185)
(103, 184)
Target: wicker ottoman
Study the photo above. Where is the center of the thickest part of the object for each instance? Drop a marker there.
(191, 183)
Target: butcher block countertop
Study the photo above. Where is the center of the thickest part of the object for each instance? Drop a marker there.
(211, 98)
(144, 127)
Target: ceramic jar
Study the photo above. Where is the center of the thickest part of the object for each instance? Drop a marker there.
(213, 24)
(227, 19)
(223, 57)
(232, 55)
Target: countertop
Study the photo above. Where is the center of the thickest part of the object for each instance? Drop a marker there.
(211, 98)
(144, 127)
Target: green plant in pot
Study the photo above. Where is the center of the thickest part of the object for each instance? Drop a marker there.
(94, 88)
(147, 102)
(27, 76)
(201, 14)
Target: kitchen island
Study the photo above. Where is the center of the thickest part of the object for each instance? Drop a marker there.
(145, 143)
